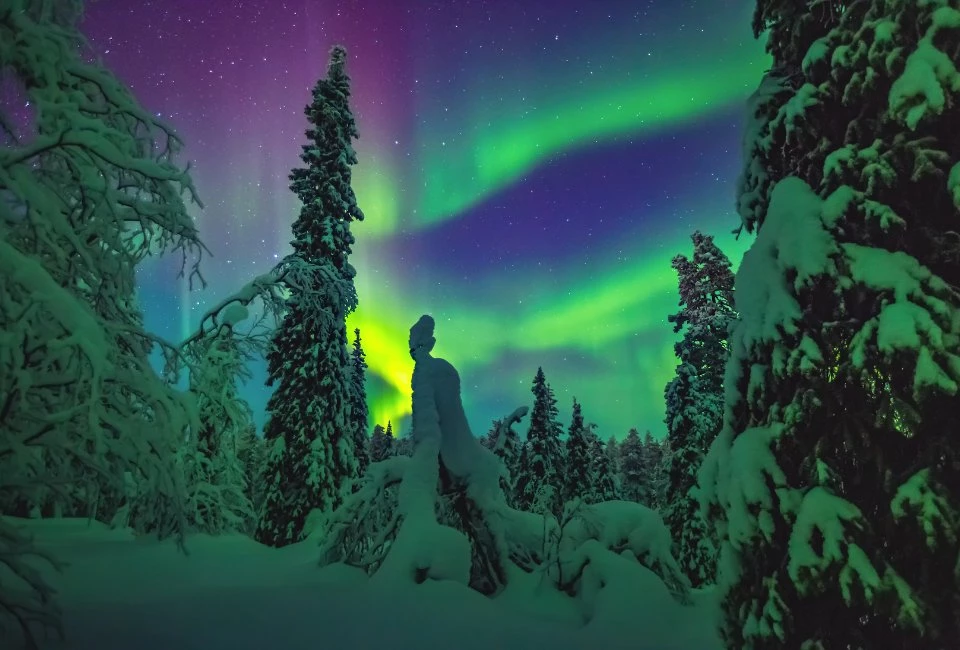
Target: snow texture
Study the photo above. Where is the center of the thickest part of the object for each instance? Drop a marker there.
(119, 592)
(916, 314)
(953, 184)
(915, 498)
(920, 91)
(793, 242)
(826, 517)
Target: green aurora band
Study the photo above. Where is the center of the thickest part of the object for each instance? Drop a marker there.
(620, 313)
(494, 154)
(467, 156)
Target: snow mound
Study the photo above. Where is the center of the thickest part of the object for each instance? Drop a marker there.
(121, 592)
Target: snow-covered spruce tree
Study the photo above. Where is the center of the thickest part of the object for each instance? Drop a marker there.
(576, 479)
(612, 450)
(311, 459)
(89, 188)
(835, 481)
(633, 467)
(540, 467)
(381, 444)
(694, 397)
(602, 473)
(654, 472)
(359, 416)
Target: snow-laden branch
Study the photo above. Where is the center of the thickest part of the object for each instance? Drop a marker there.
(292, 277)
(504, 426)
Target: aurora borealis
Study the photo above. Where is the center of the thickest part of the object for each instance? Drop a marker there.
(527, 171)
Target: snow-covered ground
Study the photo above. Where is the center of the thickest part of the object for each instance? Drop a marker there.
(122, 592)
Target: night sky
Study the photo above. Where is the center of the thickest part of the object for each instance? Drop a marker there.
(527, 171)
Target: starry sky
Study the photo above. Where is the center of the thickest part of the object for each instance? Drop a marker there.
(527, 171)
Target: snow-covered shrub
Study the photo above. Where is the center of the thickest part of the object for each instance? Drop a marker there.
(623, 528)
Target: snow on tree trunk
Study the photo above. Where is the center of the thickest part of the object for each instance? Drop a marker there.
(503, 441)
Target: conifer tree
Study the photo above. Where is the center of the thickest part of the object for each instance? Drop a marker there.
(633, 468)
(489, 440)
(219, 363)
(359, 416)
(540, 467)
(252, 455)
(612, 450)
(602, 472)
(834, 482)
(577, 480)
(310, 436)
(653, 486)
(381, 444)
(695, 396)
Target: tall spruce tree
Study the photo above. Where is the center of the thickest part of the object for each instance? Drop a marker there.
(835, 481)
(541, 459)
(694, 397)
(359, 416)
(309, 431)
(577, 480)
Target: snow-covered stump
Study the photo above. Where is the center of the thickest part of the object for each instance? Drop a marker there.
(441, 513)
(432, 515)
